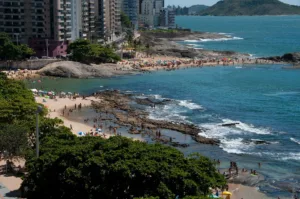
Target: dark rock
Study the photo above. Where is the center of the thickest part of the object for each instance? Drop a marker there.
(230, 124)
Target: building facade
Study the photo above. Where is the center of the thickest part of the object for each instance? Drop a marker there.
(150, 12)
(109, 19)
(131, 9)
(48, 26)
(167, 18)
(25, 19)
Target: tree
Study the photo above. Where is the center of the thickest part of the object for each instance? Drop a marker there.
(13, 142)
(10, 51)
(92, 167)
(26, 52)
(16, 101)
(84, 51)
(125, 21)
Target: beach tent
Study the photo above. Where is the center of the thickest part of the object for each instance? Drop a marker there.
(227, 194)
(81, 133)
(213, 196)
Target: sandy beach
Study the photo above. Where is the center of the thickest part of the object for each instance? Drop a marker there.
(245, 192)
(55, 108)
(9, 181)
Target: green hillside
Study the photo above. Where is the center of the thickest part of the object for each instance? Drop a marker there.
(250, 7)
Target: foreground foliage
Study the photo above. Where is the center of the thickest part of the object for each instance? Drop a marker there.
(91, 167)
(86, 52)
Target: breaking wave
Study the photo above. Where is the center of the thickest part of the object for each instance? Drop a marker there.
(295, 140)
(190, 105)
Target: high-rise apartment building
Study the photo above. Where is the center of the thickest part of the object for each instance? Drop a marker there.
(49, 25)
(109, 19)
(167, 18)
(131, 9)
(88, 15)
(25, 19)
(150, 11)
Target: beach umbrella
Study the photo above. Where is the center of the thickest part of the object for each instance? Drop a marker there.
(63, 93)
(99, 130)
(34, 90)
(69, 93)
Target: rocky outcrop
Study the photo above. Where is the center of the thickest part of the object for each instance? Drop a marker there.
(164, 43)
(288, 57)
(79, 70)
(119, 105)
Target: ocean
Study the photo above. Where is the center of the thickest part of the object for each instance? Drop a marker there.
(256, 35)
(263, 99)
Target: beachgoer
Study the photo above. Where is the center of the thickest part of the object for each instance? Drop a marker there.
(71, 127)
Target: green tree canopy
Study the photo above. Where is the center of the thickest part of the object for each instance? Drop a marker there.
(92, 167)
(125, 21)
(10, 51)
(16, 101)
(13, 142)
(85, 52)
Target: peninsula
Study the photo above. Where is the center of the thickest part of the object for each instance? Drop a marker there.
(250, 8)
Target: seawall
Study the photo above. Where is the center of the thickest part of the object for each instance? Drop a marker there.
(29, 64)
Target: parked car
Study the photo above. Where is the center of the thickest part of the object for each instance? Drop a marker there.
(33, 57)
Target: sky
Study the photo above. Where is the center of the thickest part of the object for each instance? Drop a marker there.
(211, 2)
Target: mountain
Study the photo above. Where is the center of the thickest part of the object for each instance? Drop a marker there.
(250, 7)
(196, 9)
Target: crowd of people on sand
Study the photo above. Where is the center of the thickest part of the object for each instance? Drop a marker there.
(21, 74)
(97, 124)
(172, 63)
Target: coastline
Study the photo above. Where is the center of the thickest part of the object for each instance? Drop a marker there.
(55, 107)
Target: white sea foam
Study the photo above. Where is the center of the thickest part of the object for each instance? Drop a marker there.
(248, 127)
(236, 146)
(215, 130)
(192, 41)
(190, 105)
(169, 112)
(157, 97)
(278, 156)
(295, 140)
(223, 33)
(221, 39)
(283, 93)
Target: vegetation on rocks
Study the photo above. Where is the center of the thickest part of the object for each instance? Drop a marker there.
(85, 52)
(250, 7)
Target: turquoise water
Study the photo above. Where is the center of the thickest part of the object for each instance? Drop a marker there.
(256, 35)
(263, 99)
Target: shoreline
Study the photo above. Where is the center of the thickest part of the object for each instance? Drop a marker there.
(141, 65)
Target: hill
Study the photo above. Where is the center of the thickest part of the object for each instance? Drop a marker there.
(250, 7)
(196, 9)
